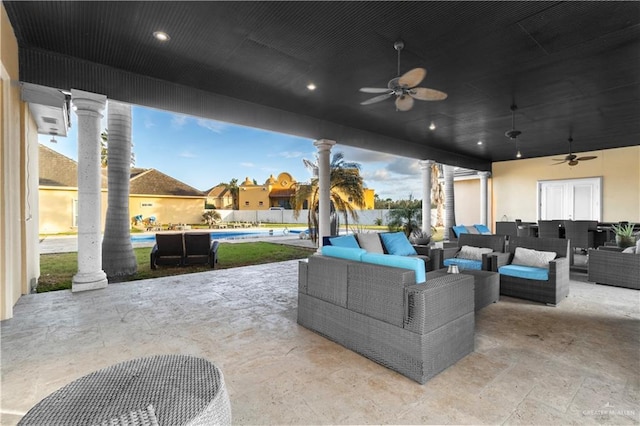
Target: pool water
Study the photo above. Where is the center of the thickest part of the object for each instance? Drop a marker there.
(228, 235)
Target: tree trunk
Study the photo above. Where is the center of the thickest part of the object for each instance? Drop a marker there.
(118, 259)
(437, 194)
(449, 201)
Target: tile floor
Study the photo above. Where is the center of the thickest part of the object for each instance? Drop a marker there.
(577, 363)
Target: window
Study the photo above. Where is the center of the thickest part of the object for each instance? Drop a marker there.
(351, 199)
(74, 214)
(246, 203)
(260, 203)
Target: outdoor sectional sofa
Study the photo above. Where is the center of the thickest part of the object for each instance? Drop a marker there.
(474, 251)
(388, 311)
(184, 249)
(612, 267)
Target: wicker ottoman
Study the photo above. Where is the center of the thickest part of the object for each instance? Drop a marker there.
(486, 284)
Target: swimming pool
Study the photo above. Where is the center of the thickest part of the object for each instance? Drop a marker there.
(228, 235)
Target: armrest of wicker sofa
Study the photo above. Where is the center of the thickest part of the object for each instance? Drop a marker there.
(213, 254)
(499, 259)
(438, 302)
(443, 253)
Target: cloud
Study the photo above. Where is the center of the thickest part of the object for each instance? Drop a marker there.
(178, 120)
(148, 123)
(214, 126)
(405, 166)
(247, 164)
(187, 154)
(289, 154)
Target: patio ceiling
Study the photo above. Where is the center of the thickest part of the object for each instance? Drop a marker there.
(571, 68)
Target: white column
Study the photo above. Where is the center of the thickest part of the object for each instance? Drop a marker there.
(88, 108)
(425, 166)
(484, 198)
(324, 201)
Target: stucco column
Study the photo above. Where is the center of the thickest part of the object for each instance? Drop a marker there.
(88, 108)
(425, 167)
(484, 198)
(449, 201)
(324, 201)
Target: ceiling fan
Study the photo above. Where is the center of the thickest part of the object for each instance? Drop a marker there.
(572, 159)
(513, 133)
(404, 87)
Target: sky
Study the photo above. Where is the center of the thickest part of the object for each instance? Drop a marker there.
(203, 153)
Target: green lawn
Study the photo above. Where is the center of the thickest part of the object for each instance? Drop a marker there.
(57, 270)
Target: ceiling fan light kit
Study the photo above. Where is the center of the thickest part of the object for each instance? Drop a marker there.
(404, 87)
(513, 133)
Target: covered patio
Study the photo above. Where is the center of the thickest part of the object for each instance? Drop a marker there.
(576, 363)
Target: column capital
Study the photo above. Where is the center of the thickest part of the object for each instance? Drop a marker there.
(426, 163)
(87, 101)
(324, 144)
(484, 174)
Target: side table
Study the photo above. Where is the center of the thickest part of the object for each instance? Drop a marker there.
(163, 389)
(486, 285)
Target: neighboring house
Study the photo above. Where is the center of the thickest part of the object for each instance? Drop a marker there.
(152, 194)
(277, 192)
(219, 197)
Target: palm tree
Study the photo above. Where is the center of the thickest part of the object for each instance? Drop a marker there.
(346, 190)
(118, 258)
(407, 216)
(234, 190)
(104, 150)
(437, 193)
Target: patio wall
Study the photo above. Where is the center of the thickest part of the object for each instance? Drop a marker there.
(515, 183)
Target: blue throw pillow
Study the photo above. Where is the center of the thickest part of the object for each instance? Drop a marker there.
(413, 263)
(482, 229)
(398, 244)
(348, 241)
(460, 229)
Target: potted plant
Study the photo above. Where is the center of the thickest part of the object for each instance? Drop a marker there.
(624, 235)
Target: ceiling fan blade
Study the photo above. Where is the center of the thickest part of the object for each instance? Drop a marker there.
(588, 157)
(561, 160)
(374, 89)
(376, 99)
(573, 162)
(412, 77)
(424, 94)
(404, 103)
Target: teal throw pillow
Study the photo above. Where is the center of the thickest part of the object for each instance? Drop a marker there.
(482, 229)
(398, 244)
(348, 241)
(460, 229)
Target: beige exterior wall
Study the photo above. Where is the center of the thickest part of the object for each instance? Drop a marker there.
(515, 183)
(18, 163)
(168, 209)
(467, 199)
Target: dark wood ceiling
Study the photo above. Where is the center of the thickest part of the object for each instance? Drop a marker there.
(571, 68)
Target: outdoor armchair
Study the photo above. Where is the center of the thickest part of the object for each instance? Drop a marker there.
(494, 242)
(168, 250)
(550, 289)
(200, 249)
(612, 267)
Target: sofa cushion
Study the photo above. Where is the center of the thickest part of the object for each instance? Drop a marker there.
(348, 241)
(528, 257)
(343, 252)
(472, 253)
(464, 263)
(472, 230)
(482, 229)
(460, 229)
(413, 263)
(398, 244)
(527, 272)
(370, 241)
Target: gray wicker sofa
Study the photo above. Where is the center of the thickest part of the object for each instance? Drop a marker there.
(380, 312)
(612, 267)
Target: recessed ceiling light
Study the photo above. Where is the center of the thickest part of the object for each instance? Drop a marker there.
(311, 86)
(432, 126)
(479, 142)
(161, 35)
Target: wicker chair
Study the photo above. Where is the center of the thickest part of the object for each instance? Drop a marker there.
(549, 228)
(612, 267)
(494, 242)
(551, 291)
(199, 249)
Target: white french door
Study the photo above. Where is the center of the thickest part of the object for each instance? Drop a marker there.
(573, 199)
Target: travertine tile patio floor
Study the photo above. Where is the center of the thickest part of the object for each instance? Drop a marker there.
(577, 363)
